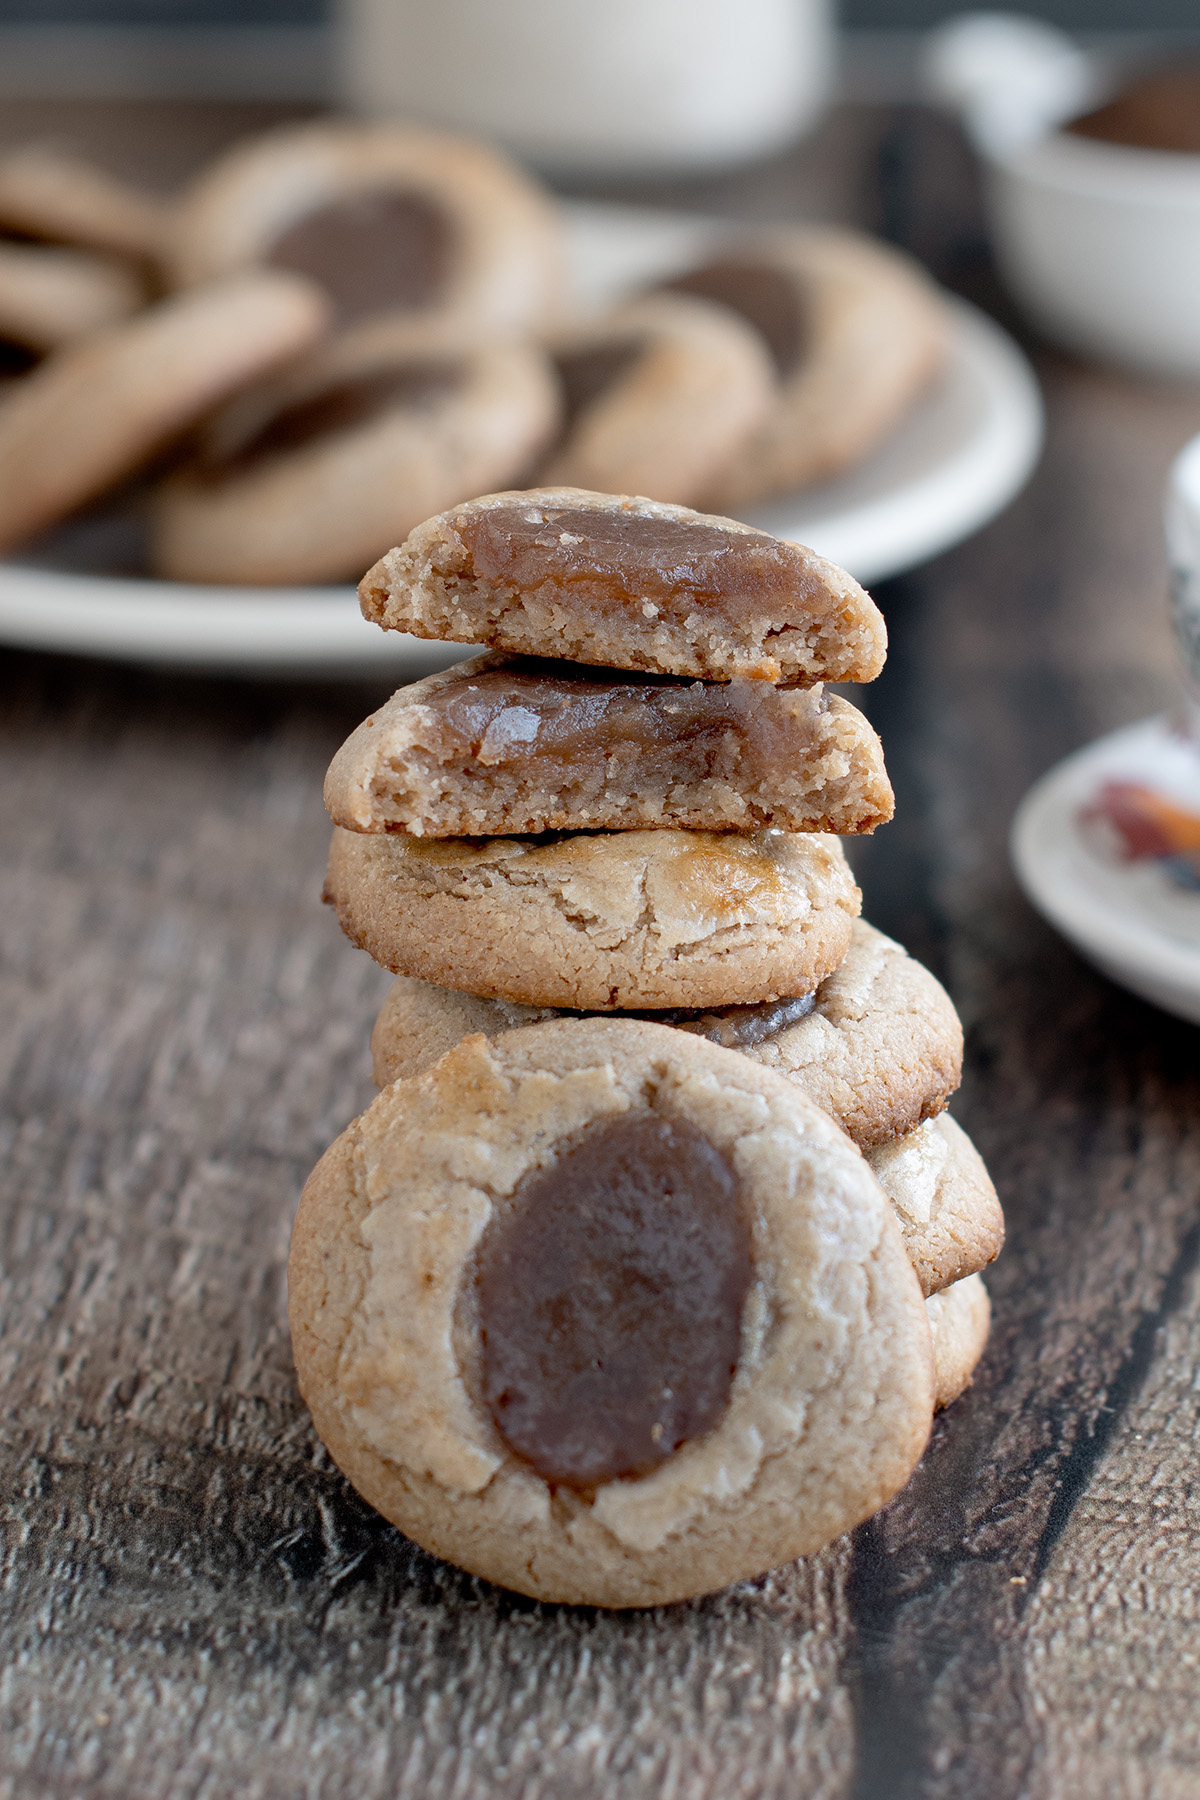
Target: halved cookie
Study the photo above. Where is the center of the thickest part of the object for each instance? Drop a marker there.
(878, 1045)
(959, 1320)
(437, 232)
(609, 1315)
(600, 921)
(95, 411)
(627, 583)
(503, 744)
(658, 397)
(855, 330)
(308, 479)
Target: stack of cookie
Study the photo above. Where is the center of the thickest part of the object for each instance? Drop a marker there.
(610, 1308)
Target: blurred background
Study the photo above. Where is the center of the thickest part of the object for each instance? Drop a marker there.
(281, 49)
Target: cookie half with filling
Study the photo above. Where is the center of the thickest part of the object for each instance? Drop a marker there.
(503, 744)
(627, 583)
(855, 329)
(657, 398)
(600, 921)
(436, 232)
(608, 1315)
(307, 479)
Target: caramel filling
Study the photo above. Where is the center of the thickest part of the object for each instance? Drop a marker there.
(610, 1295)
(348, 406)
(372, 251)
(621, 560)
(741, 1027)
(1161, 111)
(577, 719)
(767, 298)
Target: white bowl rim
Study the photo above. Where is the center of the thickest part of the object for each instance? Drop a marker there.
(1093, 167)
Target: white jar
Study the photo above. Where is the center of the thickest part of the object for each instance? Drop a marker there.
(596, 86)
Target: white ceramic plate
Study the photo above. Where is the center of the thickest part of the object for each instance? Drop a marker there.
(957, 459)
(1128, 917)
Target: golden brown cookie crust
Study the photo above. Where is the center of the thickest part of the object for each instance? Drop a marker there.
(959, 1320)
(600, 921)
(817, 624)
(948, 1209)
(737, 756)
(946, 1206)
(322, 510)
(833, 1393)
(881, 1051)
(696, 383)
(93, 412)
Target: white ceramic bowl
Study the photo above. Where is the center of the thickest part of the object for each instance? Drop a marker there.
(1100, 243)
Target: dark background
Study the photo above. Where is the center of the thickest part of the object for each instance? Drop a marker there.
(1084, 15)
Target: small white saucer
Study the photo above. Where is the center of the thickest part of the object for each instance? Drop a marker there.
(1136, 917)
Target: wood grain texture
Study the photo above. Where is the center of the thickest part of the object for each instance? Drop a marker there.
(192, 1601)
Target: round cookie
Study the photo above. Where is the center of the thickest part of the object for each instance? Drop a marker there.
(395, 222)
(57, 198)
(949, 1213)
(93, 412)
(855, 329)
(599, 921)
(959, 1319)
(658, 397)
(880, 1046)
(50, 296)
(309, 479)
(608, 1315)
(627, 583)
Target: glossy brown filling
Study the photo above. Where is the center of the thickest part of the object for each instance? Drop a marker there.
(349, 406)
(766, 297)
(610, 1296)
(644, 726)
(1160, 111)
(372, 251)
(616, 559)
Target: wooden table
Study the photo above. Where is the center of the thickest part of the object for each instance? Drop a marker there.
(196, 1604)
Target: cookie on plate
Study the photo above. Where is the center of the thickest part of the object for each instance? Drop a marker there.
(504, 744)
(95, 411)
(395, 222)
(657, 397)
(50, 296)
(600, 921)
(959, 1320)
(309, 478)
(609, 1315)
(58, 198)
(856, 330)
(627, 583)
(878, 1045)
